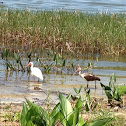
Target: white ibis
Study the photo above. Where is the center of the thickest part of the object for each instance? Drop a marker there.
(35, 71)
(88, 76)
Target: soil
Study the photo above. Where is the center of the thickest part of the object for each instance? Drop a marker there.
(7, 111)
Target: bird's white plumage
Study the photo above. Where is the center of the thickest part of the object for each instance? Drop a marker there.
(35, 71)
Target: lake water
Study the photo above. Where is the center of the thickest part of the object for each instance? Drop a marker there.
(116, 6)
(15, 86)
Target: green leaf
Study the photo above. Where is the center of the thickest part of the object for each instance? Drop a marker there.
(76, 116)
(108, 92)
(87, 107)
(6, 52)
(76, 91)
(116, 95)
(66, 108)
(34, 114)
(43, 113)
(87, 100)
(30, 123)
(100, 122)
(23, 115)
(81, 122)
(77, 111)
(55, 114)
(29, 103)
(80, 88)
(112, 80)
(64, 62)
(105, 87)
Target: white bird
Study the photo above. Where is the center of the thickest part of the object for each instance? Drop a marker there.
(35, 71)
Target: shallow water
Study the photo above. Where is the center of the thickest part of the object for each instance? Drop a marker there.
(15, 86)
(116, 6)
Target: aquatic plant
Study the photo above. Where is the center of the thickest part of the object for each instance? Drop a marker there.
(88, 104)
(55, 30)
(7, 55)
(111, 91)
(63, 113)
(33, 114)
(18, 61)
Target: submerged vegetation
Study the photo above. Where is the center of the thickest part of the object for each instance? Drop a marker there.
(63, 31)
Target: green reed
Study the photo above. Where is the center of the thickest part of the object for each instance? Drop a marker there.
(84, 32)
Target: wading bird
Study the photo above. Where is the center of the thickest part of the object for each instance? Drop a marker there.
(87, 76)
(35, 71)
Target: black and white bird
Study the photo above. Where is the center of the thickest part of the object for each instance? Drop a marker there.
(88, 76)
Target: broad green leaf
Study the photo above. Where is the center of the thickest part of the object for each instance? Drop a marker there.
(116, 95)
(105, 87)
(65, 107)
(29, 103)
(55, 114)
(34, 114)
(81, 122)
(100, 122)
(43, 113)
(76, 116)
(77, 111)
(23, 115)
(108, 91)
(30, 123)
(79, 103)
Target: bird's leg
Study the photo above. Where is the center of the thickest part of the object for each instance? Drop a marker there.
(33, 79)
(95, 84)
(38, 80)
(87, 84)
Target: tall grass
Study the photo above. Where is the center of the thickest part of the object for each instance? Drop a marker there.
(84, 32)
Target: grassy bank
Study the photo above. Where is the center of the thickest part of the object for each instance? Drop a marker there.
(83, 32)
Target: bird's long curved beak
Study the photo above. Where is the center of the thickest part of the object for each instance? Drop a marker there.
(76, 71)
(28, 64)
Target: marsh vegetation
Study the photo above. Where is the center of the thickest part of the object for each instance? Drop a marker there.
(63, 31)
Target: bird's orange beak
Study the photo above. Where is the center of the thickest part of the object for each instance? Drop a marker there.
(29, 64)
(76, 71)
